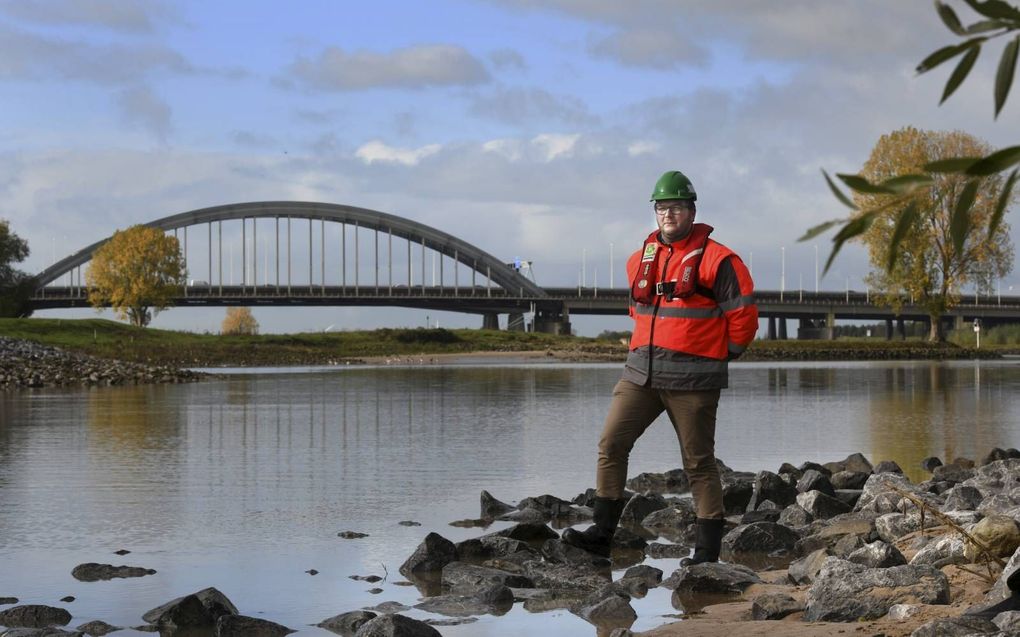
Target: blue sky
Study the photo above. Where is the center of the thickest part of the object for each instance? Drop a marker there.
(531, 129)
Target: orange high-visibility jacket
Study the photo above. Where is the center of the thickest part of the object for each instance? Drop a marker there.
(685, 343)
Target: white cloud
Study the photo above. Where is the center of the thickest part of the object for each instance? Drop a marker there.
(555, 146)
(377, 151)
(642, 147)
(511, 149)
(116, 15)
(411, 67)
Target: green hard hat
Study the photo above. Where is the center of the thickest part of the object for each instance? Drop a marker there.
(674, 185)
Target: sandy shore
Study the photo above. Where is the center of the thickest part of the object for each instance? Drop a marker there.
(733, 619)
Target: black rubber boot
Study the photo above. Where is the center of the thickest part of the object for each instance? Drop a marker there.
(598, 538)
(707, 541)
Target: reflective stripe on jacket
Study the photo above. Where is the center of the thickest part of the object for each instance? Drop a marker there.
(685, 343)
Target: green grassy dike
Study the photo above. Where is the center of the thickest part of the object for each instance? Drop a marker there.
(110, 339)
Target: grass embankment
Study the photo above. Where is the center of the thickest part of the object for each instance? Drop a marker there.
(109, 339)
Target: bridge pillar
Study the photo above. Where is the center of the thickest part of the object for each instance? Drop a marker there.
(901, 329)
(490, 321)
(552, 321)
(813, 329)
(772, 329)
(888, 329)
(782, 329)
(515, 322)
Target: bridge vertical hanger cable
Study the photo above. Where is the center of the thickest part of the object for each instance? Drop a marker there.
(322, 250)
(456, 282)
(219, 228)
(254, 253)
(376, 235)
(288, 255)
(409, 281)
(423, 266)
(311, 281)
(389, 255)
(343, 258)
(244, 255)
(356, 258)
(276, 251)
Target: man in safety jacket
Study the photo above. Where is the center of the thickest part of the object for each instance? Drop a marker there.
(692, 301)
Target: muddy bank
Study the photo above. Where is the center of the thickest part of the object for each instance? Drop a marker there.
(25, 364)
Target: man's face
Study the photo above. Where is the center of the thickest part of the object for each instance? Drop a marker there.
(675, 218)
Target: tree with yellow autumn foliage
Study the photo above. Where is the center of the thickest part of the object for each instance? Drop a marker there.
(138, 269)
(239, 320)
(910, 240)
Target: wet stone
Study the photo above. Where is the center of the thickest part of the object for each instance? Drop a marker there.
(434, 552)
(346, 624)
(4, 601)
(773, 606)
(493, 508)
(814, 480)
(92, 572)
(243, 626)
(527, 532)
(930, 463)
(711, 577)
(351, 535)
(34, 616)
(660, 551)
(97, 628)
(467, 578)
(396, 626)
(888, 466)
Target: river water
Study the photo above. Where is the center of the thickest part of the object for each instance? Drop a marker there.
(243, 482)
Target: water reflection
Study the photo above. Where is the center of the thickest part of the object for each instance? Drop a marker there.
(247, 479)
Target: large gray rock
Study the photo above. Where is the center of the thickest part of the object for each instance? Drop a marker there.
(814, 480)
(771, 487)
(844, 591)
(711, 577)
(640, 506)
(999, 590)
(567, 578)
(347, 624)
(877, 495)
(674, 481)
(952, 473)
(562, 553)
(464, 578)
(893, 526)
(888, 466)
(962, 626)
(183, 612)
(877, 555)
(822, 506)
(434, 552)
(857, 462)
(849, 479)
(396, 626)
(650, 575)
(34, 616)
(672, 522)
(242, 626)
(804, 570)
(736, 496)
(1008, 621)
(529, 532)
(942, 552)
(759, 537)
(997, 504)
(1001, 476)
(489, 547)
(998, 533)
(97, 628)
(611, 611)
(962, 498)
(774, 606)
(860, 525)
(794, 516)
(92, 572)
(494, 600)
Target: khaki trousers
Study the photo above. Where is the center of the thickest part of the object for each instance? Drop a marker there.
(692, 413)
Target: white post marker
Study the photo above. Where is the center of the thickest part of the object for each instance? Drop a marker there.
(977, 332)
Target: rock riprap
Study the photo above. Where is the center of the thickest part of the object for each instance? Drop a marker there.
(25, 364)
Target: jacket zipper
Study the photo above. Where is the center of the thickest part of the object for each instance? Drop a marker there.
(655, 314)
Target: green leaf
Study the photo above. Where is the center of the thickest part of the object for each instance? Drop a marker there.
(903, 225)
(949, 18)
(985, 26)
(997, 162)
(853, 228)
(947, 53)
(819, 229)
(905, 184)
(839, 193)
(1000, 207)
(1004, 76)
(960, 72)
(951, 165)
(994, 9)
(959, 225)
(860, 184)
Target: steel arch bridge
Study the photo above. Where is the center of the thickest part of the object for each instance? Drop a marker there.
(505, 289)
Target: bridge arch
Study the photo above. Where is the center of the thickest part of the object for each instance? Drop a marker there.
(461, 251)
